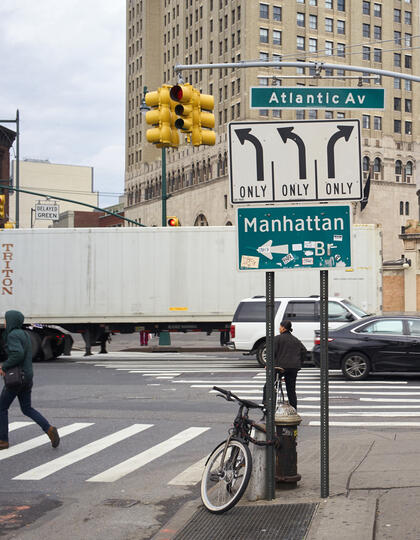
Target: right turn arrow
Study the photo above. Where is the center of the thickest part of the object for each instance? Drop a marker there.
(343, 131)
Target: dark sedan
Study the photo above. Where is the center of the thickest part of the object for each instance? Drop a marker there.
(376, 343)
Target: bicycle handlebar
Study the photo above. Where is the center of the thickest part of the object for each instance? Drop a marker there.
(230, 396)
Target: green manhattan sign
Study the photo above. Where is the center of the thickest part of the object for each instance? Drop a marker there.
(297, 97)
(292, 237)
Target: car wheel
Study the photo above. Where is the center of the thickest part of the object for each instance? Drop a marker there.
(262, 354)
(355, 366)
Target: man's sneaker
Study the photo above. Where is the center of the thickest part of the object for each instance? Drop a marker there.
(54, 436)
(4, 445)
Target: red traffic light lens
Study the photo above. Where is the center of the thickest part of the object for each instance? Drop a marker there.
(172, 222)
(176, 93)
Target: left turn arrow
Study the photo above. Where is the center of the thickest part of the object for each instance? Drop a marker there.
(245, 135)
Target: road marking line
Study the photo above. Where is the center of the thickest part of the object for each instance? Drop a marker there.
(383, 400)
(42, 439)
(386, 414)
(316, 423)
(16, 425)
(369, 407)
(191, 476)
(132, 464)
(38, 473)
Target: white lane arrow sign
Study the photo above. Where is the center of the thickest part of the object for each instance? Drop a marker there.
(267, 249)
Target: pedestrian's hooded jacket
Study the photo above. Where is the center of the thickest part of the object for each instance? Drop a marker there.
(289, 352)
(18, 344)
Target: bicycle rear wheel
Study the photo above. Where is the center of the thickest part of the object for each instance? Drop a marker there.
(223, 485)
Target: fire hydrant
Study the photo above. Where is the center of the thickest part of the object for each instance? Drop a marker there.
(286, 420)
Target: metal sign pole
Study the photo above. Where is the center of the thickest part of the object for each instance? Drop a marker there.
(324, 385)
(269, 306)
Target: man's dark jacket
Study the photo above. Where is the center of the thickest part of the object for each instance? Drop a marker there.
(18, 344)
(289, 352)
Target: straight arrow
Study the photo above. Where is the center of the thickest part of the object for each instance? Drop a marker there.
(245, 135)
(285, 134)
(343, 131)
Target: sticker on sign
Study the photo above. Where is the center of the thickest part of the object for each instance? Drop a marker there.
(298, 161)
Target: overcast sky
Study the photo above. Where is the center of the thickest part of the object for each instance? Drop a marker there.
(62, 64)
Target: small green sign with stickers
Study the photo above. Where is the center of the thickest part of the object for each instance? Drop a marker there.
(287, 237)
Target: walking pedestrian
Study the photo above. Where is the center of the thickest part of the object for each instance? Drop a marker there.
(144, 338)
(19, 353)
(289, 354)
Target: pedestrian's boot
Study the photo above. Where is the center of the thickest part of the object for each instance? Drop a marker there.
(54, 436)
(4, 445)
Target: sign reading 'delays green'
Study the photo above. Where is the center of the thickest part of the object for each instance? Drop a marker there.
(287, 237)
(272, 97)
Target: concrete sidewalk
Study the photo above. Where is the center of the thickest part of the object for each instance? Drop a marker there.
(374, 488)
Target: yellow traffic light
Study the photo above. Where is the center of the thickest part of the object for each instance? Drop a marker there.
(161, 117)
(172, 221)
(182, 95)
(9, 225)
(2, 206)
(203, 120)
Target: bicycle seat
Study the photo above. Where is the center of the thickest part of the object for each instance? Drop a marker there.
(279, 369)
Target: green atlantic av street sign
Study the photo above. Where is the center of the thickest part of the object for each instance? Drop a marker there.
(274, 238)
(272, 97)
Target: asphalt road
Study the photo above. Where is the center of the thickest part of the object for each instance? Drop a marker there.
(136, 425)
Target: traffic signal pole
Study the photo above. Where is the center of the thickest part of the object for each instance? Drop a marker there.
(164, 196)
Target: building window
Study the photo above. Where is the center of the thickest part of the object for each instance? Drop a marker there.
(397, 37)
(341, 115)
(201, 221)
(397, 15)
(401, 208)
(408, 106)
(313, 44)
(397, 59)
(366, 121)
(329, 4)
(408, 61)
(341, 27)
(277, 13)
(313, 2)
(407, 40)
(366, 53)
(329, 25)
(263, 112)
(377, 122)
(377, 165)
(398, 169)
(263, 35)
(407, 208)
(397, 104)
(397, 126)
(407, 17)
(312, 114)
(276, 113)
(276, 37)
(408, 128)
(329, 48)
(377, 32)
(313, 22)
(341, 50)
(300, 114)
(366, 30)
(366, 7)
(263, 56)
(377, 55)
(377, 10)
(408, 171)
(408, 85)
(397, 83)
(300, 43)
(366, 164)
(341, 5)
(300, 19)
(263, 11)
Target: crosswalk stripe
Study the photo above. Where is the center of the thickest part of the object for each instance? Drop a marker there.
(42, 439)
(16, 425)
(38, 473)
(190, 476)
(317, 423)
(385, 414)
(132, 464)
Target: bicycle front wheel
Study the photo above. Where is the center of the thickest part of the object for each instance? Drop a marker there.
(222, 485)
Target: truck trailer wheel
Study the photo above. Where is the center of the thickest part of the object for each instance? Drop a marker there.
(262, 354)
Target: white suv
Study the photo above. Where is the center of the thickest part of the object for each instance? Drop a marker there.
(248, 331)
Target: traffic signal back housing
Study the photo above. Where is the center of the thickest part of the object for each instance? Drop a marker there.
(2, 206)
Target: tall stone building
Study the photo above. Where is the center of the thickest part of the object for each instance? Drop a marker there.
(380, 34)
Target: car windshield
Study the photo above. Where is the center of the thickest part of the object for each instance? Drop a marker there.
(359, 311)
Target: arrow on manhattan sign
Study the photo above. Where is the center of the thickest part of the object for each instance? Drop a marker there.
(314, 160)
(279, 238)
(269, 97)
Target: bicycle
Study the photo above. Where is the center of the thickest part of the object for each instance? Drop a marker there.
(228, 468)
